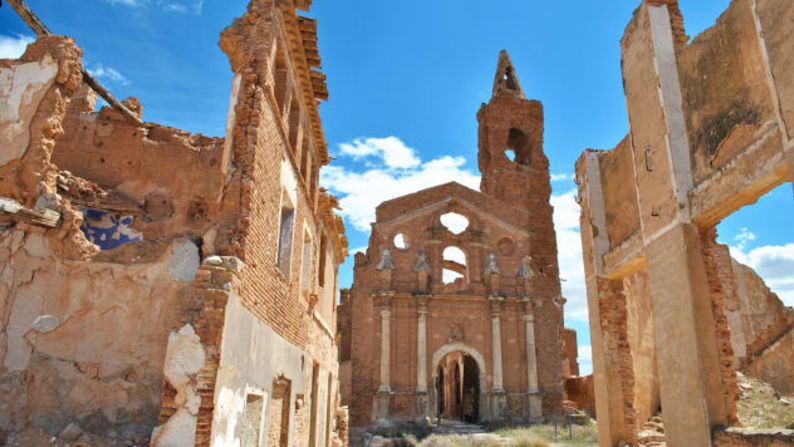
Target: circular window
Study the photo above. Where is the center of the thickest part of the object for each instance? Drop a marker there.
(400, 242)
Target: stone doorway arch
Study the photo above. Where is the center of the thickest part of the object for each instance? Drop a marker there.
(479, 361)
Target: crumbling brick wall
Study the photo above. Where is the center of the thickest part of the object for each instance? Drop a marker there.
(710, 133)
(570, 353)
(104, 239)
(71, 313)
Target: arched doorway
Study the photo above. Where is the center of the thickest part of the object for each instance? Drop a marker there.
(474, 378)
(458, 388)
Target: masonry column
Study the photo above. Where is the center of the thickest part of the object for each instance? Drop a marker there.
(499, 401)
(685, 338)
(421, 357)
(383, 396)
(691, 385)
(535, 399)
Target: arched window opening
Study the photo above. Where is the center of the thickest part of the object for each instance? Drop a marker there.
(518, 143)
(510, 79)
(400, 242)
(454, 266)
(455, 223)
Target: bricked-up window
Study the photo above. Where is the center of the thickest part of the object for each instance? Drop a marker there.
(281, 76)
(328, 416)
(278, 424)
(314, 405)
(294, 124)
(305, 156)
(323, 255)
(315, 176)
(251, 423)
(286, 231)
(306, 263)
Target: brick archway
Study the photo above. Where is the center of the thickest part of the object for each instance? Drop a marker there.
(438, 356)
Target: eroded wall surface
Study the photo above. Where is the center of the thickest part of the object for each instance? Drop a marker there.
(142, 281)
(709, 133)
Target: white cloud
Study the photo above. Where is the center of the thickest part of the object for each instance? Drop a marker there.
(361, 191)
(109, 74)
(179, 6)
(774, 263)
(13, 47)
(744, 237)
(561, 177)
(585, 360)
(569, 253)
(391, 150)
(359, 249)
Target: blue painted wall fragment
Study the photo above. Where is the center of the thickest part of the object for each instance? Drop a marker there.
(108, 230)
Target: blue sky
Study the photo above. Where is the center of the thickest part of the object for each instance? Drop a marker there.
(406, 79)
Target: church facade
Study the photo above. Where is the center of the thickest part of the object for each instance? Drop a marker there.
(455, 310)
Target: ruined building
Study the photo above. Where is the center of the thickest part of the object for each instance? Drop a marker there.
(455, 310)
(166, 284)
(672, 317)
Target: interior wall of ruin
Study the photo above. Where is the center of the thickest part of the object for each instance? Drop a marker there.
(710, 130)
(642, 340)
(83, 331)
(127, 290)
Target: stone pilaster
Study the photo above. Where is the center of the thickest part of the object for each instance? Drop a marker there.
(421, 357)
(383, 396)
(499, 397)
(421, 347)
(533, 391)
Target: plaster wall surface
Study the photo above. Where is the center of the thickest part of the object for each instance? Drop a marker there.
(93, 360)
(22, 87)
(253, 356)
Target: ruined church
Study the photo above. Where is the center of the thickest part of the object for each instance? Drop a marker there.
(455, 310)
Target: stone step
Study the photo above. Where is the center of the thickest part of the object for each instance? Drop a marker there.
(453, 427)
(648, 436)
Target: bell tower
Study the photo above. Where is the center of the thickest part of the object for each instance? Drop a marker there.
(512, 163)
(515, 170)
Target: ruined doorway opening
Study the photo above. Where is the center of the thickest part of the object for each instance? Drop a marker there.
(458, 388)
(278, 426)
(454, 268)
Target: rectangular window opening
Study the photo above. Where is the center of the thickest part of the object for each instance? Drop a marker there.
(285, 236)
(306, 267)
